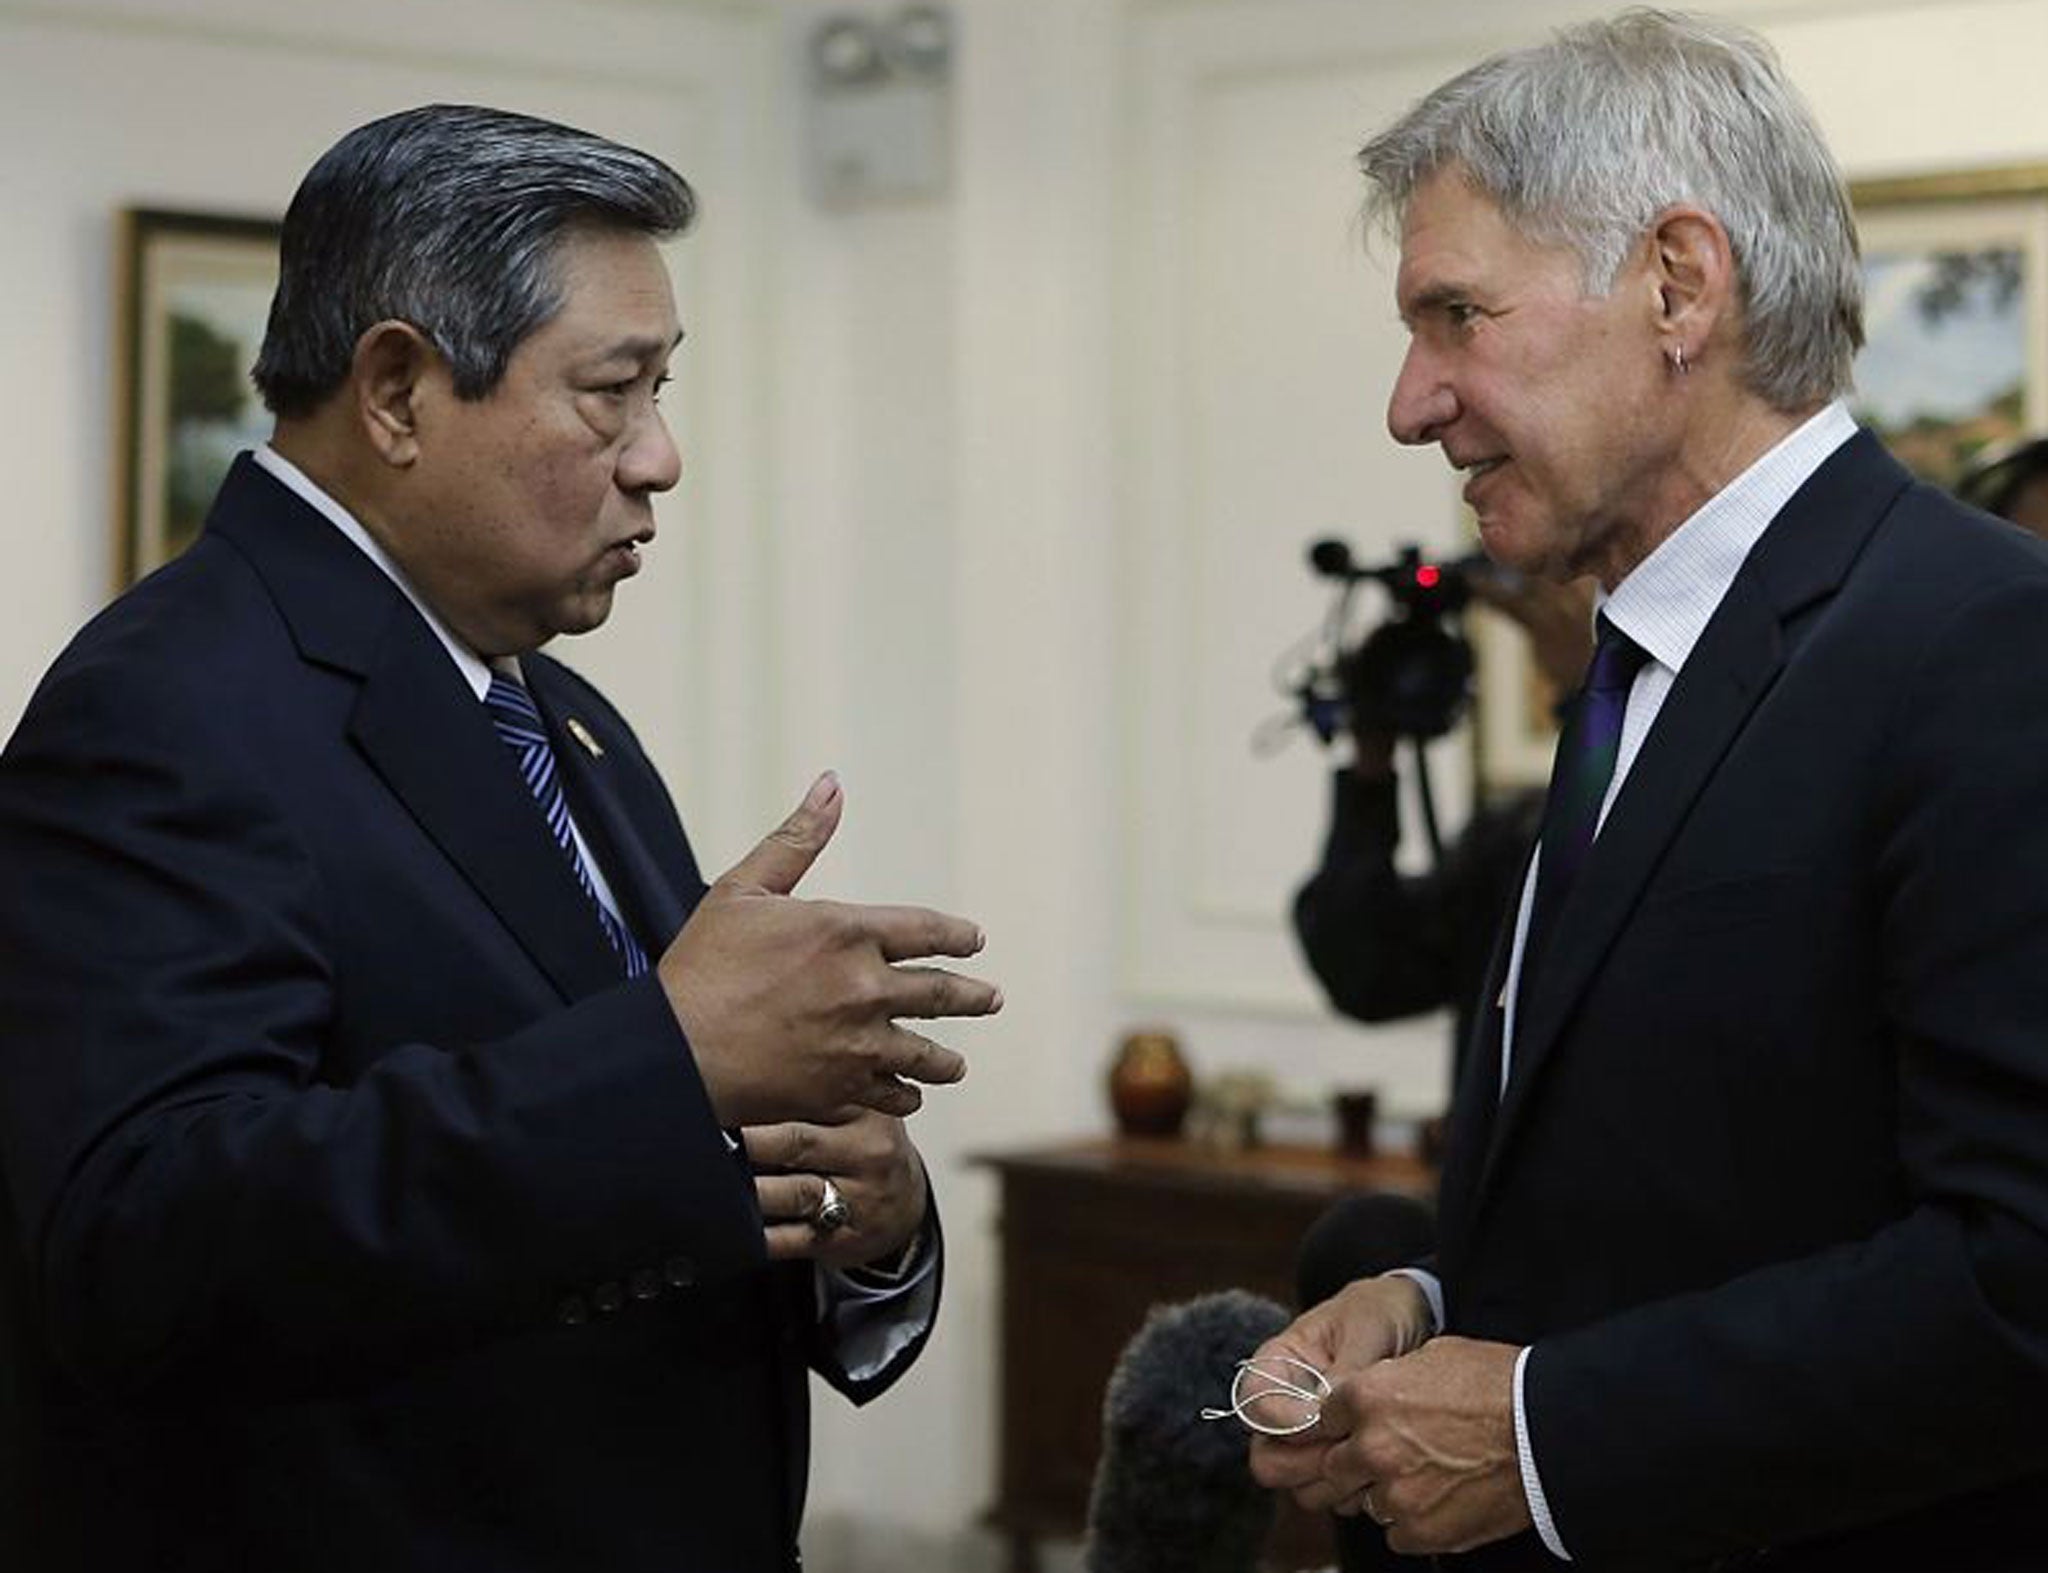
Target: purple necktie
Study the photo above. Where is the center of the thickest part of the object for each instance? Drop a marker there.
(520, 728)
(1579, 780)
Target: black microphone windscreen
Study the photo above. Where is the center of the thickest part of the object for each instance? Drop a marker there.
(1361, 1237)
(1174, 1492)
(1331, 558)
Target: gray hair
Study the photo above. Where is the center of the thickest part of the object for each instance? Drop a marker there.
(446, 217)
(1583, 140)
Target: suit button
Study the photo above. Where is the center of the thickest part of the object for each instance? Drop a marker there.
(679, 1272)
(645, 1284)
(607, 1298)
(572, 1312)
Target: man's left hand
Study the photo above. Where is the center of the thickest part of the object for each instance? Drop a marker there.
(868, 1157)
(1430, 1436)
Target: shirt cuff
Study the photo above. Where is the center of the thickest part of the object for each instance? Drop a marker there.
(1532, 1482)
(1432, 1290)
(871, 1323)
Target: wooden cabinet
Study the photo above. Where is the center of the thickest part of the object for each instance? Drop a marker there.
(1095, 1233)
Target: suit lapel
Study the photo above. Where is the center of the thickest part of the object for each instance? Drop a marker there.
(434, 745)
(419, 724)
(1802, 557)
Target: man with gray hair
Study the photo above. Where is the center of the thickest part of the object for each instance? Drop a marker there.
(409, 1163)
(1743, 1248)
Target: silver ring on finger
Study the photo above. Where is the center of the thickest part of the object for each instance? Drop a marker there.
(833, 1214)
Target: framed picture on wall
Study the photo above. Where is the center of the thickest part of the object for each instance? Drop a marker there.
(1955, 277)
(195, 290)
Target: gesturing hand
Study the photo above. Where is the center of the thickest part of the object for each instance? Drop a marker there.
(790, 1006)
(868, 1157)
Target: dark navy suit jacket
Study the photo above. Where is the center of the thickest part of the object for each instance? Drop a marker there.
(1768, 1187)
(357, 1214)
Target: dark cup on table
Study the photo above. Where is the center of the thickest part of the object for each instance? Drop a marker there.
(1357, 1114)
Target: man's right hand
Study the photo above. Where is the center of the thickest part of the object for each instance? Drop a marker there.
(790, 1006)
(1366, 1322)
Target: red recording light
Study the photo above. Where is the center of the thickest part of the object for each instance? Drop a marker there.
(1427, 575)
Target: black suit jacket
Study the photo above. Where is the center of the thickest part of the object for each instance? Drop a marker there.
(359, 1215)
(1384, 944)
(1768, 1187)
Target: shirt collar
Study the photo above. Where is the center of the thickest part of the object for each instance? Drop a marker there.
(475, 670)
(1666, 601)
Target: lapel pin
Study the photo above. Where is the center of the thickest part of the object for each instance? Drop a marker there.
(582, 735)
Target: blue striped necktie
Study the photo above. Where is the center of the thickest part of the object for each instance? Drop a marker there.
(1586, 756)
(520, 728)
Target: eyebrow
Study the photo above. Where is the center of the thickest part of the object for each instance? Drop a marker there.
(1433, 298)
(641, 348)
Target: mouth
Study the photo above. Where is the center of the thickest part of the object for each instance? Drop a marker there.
(1476, 471)
(625, 555)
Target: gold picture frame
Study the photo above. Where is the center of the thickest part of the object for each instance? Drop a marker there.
(195, 289)
(1955, 274)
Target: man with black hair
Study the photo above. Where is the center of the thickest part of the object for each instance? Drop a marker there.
(409, 1163)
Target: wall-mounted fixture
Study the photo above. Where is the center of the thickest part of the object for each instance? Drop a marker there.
(878, 85)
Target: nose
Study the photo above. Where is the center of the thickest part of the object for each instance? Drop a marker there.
(1422, 403)
(650, 462)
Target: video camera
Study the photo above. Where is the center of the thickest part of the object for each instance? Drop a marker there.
(1412, 675)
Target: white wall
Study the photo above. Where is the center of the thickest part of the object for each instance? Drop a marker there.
(220, 105)
(995, 500)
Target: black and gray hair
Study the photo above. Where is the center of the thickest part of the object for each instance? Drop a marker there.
(446, 217)
(1583, 140)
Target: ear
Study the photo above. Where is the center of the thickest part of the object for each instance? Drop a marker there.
(392, 362)
(1692, 267)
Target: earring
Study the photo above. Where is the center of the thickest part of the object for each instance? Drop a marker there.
(1679, 363)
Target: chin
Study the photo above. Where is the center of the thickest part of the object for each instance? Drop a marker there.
(1529, 549)
(583, 612)
(1508, 547)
